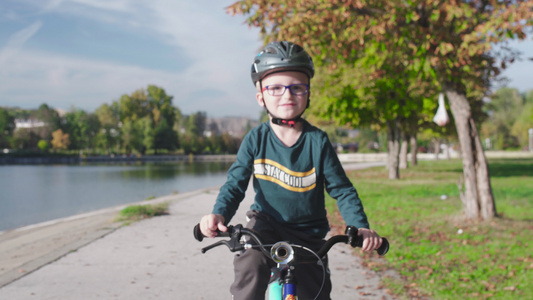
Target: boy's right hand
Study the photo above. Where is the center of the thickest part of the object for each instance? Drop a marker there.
(209, 224)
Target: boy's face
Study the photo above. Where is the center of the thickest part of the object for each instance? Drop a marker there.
(286, 106)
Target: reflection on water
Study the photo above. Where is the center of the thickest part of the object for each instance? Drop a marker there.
(31, 194)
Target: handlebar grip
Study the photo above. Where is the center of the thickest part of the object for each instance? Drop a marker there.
(198, 233)
(199, 236)
(384, 248)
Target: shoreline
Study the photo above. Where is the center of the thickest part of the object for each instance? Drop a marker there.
(106, 210)
(40, 160)
(28, 248)
(355, 157)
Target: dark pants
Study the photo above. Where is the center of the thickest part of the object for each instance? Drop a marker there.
(252, 268)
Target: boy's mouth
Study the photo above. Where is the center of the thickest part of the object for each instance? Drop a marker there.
(287, 104)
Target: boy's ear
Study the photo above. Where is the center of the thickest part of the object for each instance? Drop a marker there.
(260, 100)
(259, 95)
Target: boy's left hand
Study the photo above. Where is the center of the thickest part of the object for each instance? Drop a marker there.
(371, 239)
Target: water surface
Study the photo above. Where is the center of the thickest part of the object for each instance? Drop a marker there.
(31, 194)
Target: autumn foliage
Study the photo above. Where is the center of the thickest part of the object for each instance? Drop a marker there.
(400, 44)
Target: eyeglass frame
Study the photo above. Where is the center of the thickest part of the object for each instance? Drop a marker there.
(285, 87)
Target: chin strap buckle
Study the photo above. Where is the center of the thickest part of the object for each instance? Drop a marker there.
(291, 123)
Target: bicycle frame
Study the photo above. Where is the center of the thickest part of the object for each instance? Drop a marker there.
(275, 291)
(282, 289)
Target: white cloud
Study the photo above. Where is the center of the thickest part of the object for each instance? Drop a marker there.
(64, 82)
(16, 41)
(51, 5)
(218, 46)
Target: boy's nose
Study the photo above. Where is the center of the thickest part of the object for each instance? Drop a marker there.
(287, 94)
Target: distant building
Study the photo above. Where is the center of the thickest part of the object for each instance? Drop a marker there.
(28, 124)
(234, 126)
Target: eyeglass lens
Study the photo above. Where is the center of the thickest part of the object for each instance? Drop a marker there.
(278, 90)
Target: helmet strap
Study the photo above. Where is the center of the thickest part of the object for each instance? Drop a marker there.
(284, 122)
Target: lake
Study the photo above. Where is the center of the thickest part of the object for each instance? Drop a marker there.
(31, 194)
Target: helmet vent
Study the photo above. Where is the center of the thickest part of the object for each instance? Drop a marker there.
(271, 50)
(297, 49)
(281, 56)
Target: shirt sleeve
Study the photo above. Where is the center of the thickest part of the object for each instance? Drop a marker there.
(232, 192)
(341, 188)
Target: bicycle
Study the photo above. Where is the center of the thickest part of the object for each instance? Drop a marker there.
(282, 284)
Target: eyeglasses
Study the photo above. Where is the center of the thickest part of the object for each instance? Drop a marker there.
(279, 90)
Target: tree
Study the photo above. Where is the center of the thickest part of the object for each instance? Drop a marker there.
(60, 140)
(25, 138)
(7, 126)
(165, 137)
(355, 97)
(456, 42)
(505, 108)
(178, 120)
(109, 118)
(154, 107)
(132, 135)
(450, 41)
(524, 121)
(147, 134)
(82, 128)
(164, 116)
(197, 123)
(50, 117)
(380, 76)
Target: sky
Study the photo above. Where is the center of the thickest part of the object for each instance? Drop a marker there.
(80, 54)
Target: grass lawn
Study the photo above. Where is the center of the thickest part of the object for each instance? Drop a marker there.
(436, 252)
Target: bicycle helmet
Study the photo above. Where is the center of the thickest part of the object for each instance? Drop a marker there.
(281, 56)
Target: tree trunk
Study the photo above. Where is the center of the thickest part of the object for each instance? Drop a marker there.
(486, 198)
(414, 149)
(393, 138)
(404, 149)
(436, 148)
(477, 196)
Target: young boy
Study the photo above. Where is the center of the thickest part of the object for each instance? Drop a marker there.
(292, 163)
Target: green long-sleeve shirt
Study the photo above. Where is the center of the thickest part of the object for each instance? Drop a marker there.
(289, 182)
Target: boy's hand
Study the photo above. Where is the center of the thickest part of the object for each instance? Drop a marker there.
(209, 224)
(371, 239)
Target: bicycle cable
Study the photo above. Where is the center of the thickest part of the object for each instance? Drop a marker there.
(321, 263)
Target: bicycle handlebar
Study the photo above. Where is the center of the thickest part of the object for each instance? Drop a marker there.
(236, 232)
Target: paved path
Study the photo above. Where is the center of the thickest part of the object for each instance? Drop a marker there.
(156, 258)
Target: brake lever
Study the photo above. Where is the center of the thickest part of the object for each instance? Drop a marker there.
(231, 244)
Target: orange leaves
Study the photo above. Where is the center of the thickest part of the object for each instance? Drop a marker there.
(452, 37)
(60, 140)
(444, 48)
